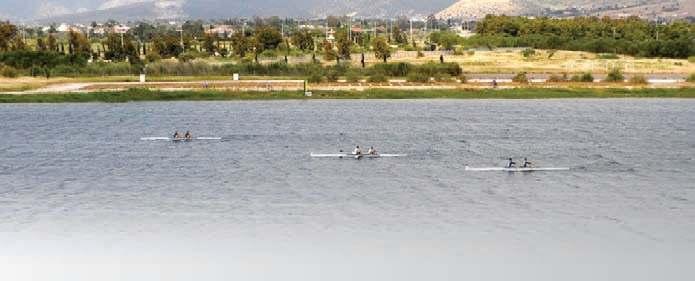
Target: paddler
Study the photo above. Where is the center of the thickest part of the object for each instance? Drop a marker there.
(188, 135)
(177, 135)
(527, 164)
(372, 151)
(357, 151)
(511, 163)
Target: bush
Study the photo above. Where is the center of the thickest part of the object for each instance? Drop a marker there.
(528, 52)
(557, 78)
(432, 69)
(691, 59)
(471, 52)
(315, 77)
(153, 57)
(377, 78)
(224, 52)
(608, 56)
(418, 77)
(8, 71)
(353, 77)
(400, 69)
(586, 77)
(442, 77)
(332, 75)
(463, 78)
(615, 75)
(520, 78)
(189, 56)
(420, 54)
(638, 79)
(268, 54)
(691, 78)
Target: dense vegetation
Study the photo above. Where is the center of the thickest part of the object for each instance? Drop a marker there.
(631, 36)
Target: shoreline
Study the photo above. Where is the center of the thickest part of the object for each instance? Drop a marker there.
(140, 95)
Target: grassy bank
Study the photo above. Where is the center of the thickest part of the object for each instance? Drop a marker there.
(135, 95)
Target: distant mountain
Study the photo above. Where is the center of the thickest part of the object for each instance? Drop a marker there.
(475, 9)
(141, 10)
(124, 10)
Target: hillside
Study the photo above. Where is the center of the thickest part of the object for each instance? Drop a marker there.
(476, 9)
(124, 10)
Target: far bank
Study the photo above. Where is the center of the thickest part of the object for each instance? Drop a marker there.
(136, 95)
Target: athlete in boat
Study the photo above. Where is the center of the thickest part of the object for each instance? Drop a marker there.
(177, 135)
(357, 151)
(372, 151)
(527, 164)
(188, 135)
(511, 163)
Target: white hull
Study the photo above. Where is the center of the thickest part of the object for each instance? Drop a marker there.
(172, 139)
(498, 169)
(346, 155)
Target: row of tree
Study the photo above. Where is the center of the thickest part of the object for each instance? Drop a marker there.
(632, 36)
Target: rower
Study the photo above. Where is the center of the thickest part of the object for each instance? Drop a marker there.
(527, 164)
(188, 135)
(357, 151)
(372, 151)
(177, 135)
(511, 163)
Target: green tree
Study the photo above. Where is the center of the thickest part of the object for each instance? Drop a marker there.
(445, 39)
(41, 45)
(267, 38)
(18, 44)
(382, 50)
(344, 45)
(167, 45)
(79, 44)
(209, 44)
(303, 40)
(51, 43)
(193, 28)
(240, 44)
(329, 52)
(399, 36)
(121, 47)
(8, 32)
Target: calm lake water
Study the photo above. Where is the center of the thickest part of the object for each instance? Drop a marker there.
(83, 198)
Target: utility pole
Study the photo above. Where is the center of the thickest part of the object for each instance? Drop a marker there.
(350, 28)
(390, 29)
(181, 32)
(411, 31)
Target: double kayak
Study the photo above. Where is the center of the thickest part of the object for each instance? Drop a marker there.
(180, 139)
(520, 169)
(350, 155)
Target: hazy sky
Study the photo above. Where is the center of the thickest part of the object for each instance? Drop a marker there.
(23, 9)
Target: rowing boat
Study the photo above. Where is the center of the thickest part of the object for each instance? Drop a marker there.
(349, 155)
(179, 139)
(498, 169)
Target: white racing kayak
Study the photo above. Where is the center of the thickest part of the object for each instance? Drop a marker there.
(349, 155)
(182, 139)
(530, 169)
